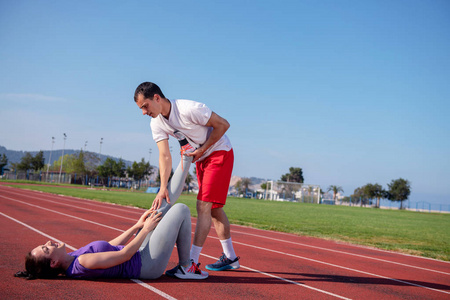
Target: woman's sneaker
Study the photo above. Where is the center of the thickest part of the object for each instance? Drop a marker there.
(191, 272)
(224, 263)
(171, 272)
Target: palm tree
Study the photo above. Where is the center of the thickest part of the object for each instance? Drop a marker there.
(245, 182)
(374, 191)
(336, 189)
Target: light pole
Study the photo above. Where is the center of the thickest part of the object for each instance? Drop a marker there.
(149, 156)
(50, 159)
(101, 142)
(62, 157)
(85, 144)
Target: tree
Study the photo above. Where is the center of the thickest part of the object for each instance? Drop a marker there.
(399, 190)
(158, 178)
(3, 162)
(266, 185)
(189, 179)
(57, 163)
(14, 166)
(246, 183)
(26, 162)
(360, 195)
(110, 167)
(119, 168)
(294, 175)
(336, 189)
(374, 191)
(91, 161)
(30, 162)
(37, 163)
(68, 163)
(139, 170)
(78, 165)
(238, 187)
(242, 185)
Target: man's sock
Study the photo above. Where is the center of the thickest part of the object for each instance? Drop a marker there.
(228, 249)
(195, 253)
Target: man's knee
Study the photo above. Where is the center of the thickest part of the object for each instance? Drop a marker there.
(218, 213)
(204, 207)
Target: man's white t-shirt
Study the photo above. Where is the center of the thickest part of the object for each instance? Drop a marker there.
(190, 118)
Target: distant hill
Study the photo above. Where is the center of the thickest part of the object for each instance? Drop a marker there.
(15, 156)
(254, 185)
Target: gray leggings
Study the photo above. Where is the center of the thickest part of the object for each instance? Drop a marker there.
(175, 227)
(176, 183)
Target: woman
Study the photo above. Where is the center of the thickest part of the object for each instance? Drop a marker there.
(145, 257)
(111, 259)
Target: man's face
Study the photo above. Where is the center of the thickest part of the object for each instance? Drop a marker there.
(149, 107)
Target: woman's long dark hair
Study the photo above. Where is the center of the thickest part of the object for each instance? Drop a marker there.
(38, 268)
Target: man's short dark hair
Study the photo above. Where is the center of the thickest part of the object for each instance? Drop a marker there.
(148, 89)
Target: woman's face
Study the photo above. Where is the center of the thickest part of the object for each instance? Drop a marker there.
(49, 250)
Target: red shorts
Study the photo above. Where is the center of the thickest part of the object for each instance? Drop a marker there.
(214, 174)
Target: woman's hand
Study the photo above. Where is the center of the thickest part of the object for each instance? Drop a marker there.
(152, 220)
(141, 221)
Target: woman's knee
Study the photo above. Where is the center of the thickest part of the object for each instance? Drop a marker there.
(182, 209)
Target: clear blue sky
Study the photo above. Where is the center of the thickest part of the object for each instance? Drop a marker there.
(350, 91)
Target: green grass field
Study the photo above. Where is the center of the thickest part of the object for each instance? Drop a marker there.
(425, 234)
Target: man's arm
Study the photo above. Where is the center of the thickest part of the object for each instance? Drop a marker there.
(165, 168)
(220, 126)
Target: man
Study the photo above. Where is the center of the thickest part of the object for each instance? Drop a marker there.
(209, 148)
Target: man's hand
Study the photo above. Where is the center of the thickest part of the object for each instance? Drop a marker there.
(196, 154)
(220, 126)
(162, 194)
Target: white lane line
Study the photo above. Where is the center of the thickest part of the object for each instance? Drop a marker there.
(60, 213)
(96, 203)
(341, 267)
(270, 250)
(83, 208)
(38, 231)
(280, 240)
(155, 290)
(351, 245)
(267, 274)
(287, 280)
(342, 252)
(143, 284)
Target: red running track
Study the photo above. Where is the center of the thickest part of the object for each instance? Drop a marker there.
(273, 265)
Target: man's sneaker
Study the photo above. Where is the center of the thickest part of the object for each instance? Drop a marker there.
(191, 272)
(224, 263)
